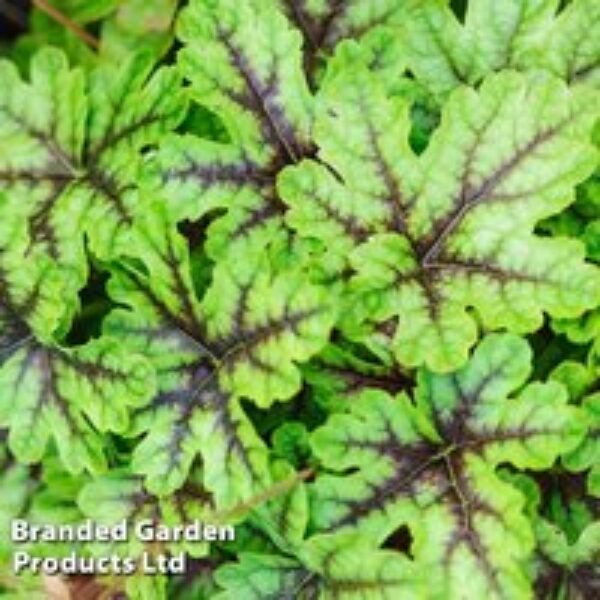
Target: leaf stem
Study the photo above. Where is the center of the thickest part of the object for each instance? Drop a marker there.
(279, 488)
(69, 24)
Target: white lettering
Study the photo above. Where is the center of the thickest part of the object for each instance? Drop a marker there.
(20, 560)
(19, 531)
(144, 530)
(163, 564)
(226, 533)
(210, 533)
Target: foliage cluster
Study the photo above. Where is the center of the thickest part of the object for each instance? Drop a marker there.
(324, 269)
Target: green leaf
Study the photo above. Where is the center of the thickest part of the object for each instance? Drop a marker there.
(258, 576)
(248, 65)
(525, 34)
(29, 293)
(579, 331)
(345, 571)
(48, 391)
(570, 46)
(432, 465)
(256, 87)
(243, 339)
(51, 391)
(576, 377)
(119, 495)
(587, 454)
(338, 375)
(54, 502)
(141, 586)
(568, 569)
(350, 569)
(146, 24)
(325, 23)
(284, 516)
(23, 490)
(431, 237)
(324, 271)
(583, 219)
(260, 93)
(17, 486)
(71, 150)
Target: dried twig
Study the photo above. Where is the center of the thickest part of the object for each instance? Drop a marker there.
(280, 488)
(69, 24)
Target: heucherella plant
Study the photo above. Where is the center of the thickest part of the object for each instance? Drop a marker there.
(429, 236)
(249, 65)
(526, 35)
(322, 273)
(430, 463)
(242, 339)
(70, 150)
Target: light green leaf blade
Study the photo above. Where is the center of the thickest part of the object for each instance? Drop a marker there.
(118, 495)
(258, 576)
(48, 391)
(75, 150)
(431, 466)
(350, 569)
(243, 338)
(253, 64)
(443, 53)
(244, 62)
(433, 236)
(569, 47)
(254, 82)
(17, 486)
(51, 391)
(325, 23)
(327, 569)
(528, 35)
(587, 454)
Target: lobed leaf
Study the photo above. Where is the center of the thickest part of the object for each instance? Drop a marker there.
(325, 23)
(118, 495)
(243, 339)
(444, 53)
(71, 151)
(432, 467)
(430, 237)
(253, 65)
(347, 571)
(51, 391)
